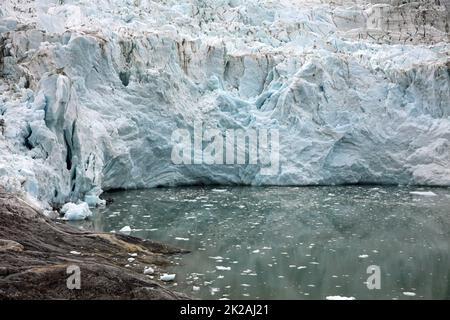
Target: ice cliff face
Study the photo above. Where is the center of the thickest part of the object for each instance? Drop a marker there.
(91, 91)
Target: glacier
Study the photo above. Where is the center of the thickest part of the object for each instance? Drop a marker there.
(91, 92)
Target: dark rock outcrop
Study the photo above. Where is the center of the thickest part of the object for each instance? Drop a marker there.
(35, 254)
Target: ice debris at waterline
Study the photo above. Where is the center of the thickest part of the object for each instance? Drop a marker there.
(339, 298)
(167, 277)
(126, 230)
(91, 91)
(92, 198)
(149, 271)
(74, 211)
(424, 193)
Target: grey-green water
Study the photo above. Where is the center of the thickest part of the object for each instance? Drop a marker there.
(294, 243)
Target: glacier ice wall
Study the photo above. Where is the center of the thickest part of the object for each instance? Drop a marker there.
(90, 92)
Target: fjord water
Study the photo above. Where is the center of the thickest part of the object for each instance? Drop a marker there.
(294, 243)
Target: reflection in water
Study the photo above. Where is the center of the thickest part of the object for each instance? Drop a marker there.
(294, 243)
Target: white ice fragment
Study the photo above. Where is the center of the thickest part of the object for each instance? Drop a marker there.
(409, 294)
(221, 268)
(130, 260)
(126, 229)
(423, 193)
(339, 298)
(74, 212)
(195, 288)
(51, 214)
(363, 256)
(214, 291)
(216, 258)
(75, 252)
(149, 270)
(182, 239)
(167, 277)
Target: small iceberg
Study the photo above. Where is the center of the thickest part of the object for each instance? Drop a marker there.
(219, 190)
(181, 239)
(167, 277)
(92, 198)
(149, 270)
(409, 294)
(424, 193)
(126, 230)
(339, 298)
(221, 268)
(76, 212)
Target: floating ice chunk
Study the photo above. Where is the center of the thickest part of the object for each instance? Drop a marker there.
(219, 190)
(130, 260)
(424, 193)
(214, 291)
(221, 268)
(194, 288)
(133, 254)
(126, 229)
(92, 198)
(74, 212)
(94, 201)
(339, 298)
(409, 294)
(216, 258)
(256, 251)
(182, 239)
(75, 252)
(149, 270)
(301, 267)
(167, 277)
(363, 256)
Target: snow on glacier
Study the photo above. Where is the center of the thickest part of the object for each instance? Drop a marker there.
(90, 92)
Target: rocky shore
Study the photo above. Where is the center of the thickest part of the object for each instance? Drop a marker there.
(35, 254)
